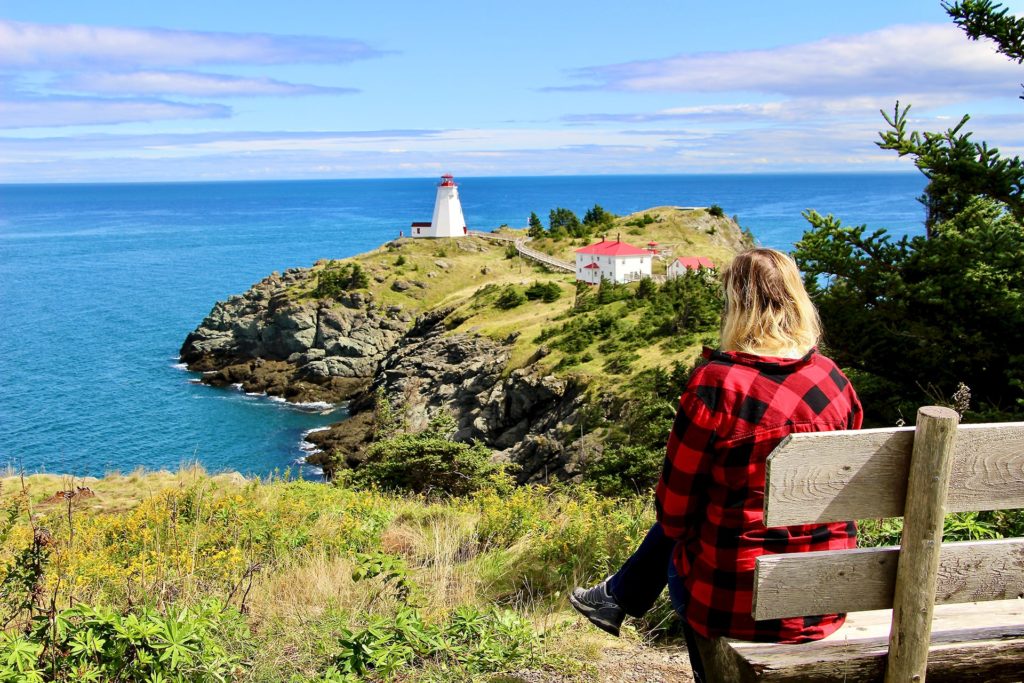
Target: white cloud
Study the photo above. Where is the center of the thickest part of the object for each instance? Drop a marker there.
(925, 58)
(83, 111)
(75, 46)
(185, 83)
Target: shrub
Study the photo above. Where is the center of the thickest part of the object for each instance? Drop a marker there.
(430, 462)
(643, 221)
(626, 470)
(470, 640)
(400, 261)
(510, 297)
(332, 282)
(545, 291)
(99, 644)
(716, 211)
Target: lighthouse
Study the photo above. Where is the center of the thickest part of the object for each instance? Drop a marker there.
(448, 220)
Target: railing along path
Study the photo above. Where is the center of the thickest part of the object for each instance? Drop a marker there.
(526, 252)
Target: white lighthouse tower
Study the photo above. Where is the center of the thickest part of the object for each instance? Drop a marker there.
(448, 220)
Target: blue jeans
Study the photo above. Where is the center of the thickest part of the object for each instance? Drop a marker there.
(642, 578)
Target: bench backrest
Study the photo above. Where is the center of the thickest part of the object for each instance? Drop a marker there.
(834, 476)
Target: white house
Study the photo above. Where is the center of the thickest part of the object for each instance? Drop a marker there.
(616, 261)
(685, 263)
(448, 220)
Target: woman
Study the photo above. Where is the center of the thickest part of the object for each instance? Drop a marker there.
(766, 380)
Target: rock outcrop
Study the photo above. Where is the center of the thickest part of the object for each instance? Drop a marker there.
(303, 350)
(525, 416)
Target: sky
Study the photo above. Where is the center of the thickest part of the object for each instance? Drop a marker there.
(106, 91)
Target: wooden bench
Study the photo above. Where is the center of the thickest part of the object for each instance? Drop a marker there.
(974, 590)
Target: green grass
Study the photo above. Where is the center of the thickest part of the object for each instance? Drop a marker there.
(477, 266)
(304, 570)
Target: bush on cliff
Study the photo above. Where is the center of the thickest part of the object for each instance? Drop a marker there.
(332, 282)
(430, 462)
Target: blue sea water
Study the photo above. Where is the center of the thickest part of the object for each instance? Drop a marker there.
(99, 284)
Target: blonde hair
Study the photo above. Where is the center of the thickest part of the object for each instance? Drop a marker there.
(767, 310)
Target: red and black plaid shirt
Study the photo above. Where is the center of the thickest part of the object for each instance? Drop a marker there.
(734, 412)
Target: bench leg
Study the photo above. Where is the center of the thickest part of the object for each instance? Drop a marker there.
(721, 663)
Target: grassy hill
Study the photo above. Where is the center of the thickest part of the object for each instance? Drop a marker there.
(470, 273)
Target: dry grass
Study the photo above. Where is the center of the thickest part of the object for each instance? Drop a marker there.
(115, 491)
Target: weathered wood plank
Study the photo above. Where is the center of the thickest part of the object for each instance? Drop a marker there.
(920, 544)
(970, 642)
(722, 664)
(864, 579)
(822, 477)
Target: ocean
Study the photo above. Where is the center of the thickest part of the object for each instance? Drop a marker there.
(99, 284)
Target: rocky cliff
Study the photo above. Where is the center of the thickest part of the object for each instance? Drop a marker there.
(350, 348)
(312, 350)
(437, 325)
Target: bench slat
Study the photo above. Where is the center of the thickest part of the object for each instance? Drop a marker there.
(820, 477)
(825, 582)
(969, 642)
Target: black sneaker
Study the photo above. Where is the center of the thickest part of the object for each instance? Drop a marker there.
(599, 606)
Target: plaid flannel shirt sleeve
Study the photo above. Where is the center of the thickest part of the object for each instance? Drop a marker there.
(680, 497)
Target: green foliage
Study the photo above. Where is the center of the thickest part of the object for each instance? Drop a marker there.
(536, 228)
(470, 640)
(984, 18)
(957, 526)
(626, 470)
(958, 169)
(510, 297)
(647, 289)
(679, 312)
(511, 252)
(915, 317)
(563, 222)
(99, 644)
(597, 219)
(610, 291)
(545, 291)
(716, 211)
(643, 221)
(387, 422)
(400, 261)
(430, 462)
(334, 281)
(638, 425)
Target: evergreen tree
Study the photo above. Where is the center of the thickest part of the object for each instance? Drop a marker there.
(597, 219)
(913, 318)
(563, 222)
(536, 230)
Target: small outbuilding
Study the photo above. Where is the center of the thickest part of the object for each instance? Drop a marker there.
(685, 263)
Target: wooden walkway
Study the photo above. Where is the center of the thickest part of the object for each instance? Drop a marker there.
(526, 252)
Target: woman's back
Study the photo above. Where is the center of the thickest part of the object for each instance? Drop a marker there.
(734, 412)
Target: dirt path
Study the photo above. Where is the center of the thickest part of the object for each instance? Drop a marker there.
(628, 663)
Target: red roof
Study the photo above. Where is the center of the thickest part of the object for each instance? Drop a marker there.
(610, 248)
(591, 266)
(695, 262)
(420, 224)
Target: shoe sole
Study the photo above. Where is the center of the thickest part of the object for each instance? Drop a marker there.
(591, 615)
